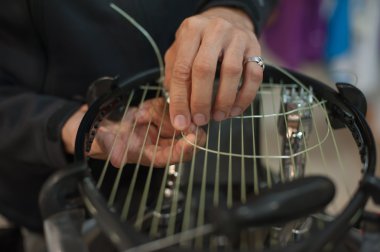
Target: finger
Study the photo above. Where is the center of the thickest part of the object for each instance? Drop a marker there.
(186, 146)
(170, 57)
(182, 151)
(252, 78)
(230, 76)
(164, 153)
(169, 60)
(169, 152)
(201, 138)
(180, 82)
(156, 111)
(105, 140)
(203, 74)
(98, 147)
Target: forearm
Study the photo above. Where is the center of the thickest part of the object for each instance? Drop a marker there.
(31, 127)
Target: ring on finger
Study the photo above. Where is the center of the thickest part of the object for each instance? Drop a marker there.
(256, 59)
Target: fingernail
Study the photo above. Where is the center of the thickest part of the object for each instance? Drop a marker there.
(180, 122)
(199, 119)
(235, 111)
(219, 115)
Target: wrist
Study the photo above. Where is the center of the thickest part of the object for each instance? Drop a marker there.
(70, 129)
(232, 14)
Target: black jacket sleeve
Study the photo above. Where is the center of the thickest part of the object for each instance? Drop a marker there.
(30, 120)
(257, 10)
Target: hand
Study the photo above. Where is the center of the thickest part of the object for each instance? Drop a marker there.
(218, 34)
(127, 140)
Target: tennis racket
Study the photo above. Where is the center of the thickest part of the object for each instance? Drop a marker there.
(286, 175)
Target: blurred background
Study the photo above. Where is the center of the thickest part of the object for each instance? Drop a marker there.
(332, 41)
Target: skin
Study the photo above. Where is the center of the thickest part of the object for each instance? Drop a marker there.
(220, 34)
(124, 142)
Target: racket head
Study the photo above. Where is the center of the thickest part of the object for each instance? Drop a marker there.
(332, 108)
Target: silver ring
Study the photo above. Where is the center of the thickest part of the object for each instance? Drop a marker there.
(256, 59)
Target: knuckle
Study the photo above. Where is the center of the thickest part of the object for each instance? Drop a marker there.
(232, 69)
(239, 41)
(179, 105)
(191, 23)
(203, 67)
(258, 48)
(224, 103)
(181, 71)
(240, 35)
(220, 24)
(252, 37)
(200, 105)
(178, 99)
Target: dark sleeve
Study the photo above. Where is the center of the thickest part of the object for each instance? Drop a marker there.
(258, 10)
(30, 120)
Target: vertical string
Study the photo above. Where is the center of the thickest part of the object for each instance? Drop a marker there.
(287, 136)
(319, 138)
(243, 193)
(243, 196)
(141, 210)
(202, 198)
(213, 243)
(106, 165)
(217, 172)
(174, 206)
(269, 179)
(337, 152)
(278, 140)
(189, 194)
(126, 206)
(229, 177)
(321, 150)
(127, 203)
(121, 169)
(305, 144)
(158, 209)
(255, 175)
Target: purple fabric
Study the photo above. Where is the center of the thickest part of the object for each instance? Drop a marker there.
(297, 33)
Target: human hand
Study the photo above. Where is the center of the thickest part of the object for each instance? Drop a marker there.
(218, 34)
(138, 138)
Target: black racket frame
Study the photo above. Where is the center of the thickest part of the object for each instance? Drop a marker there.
(346, 106)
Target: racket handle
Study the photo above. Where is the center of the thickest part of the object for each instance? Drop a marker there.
(282, 203)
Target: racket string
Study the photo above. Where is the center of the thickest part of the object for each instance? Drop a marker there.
(128, 199)
(179, 206)
(141, 211)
